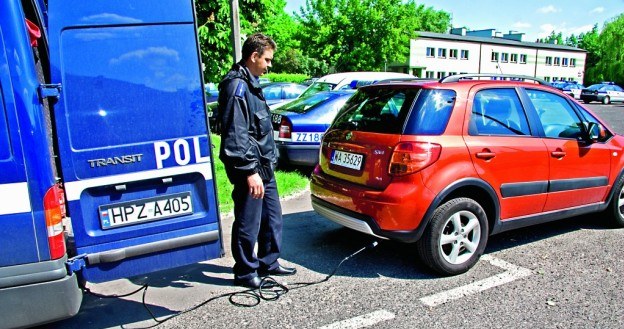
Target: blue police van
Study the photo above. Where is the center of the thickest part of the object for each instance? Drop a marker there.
(105, 165)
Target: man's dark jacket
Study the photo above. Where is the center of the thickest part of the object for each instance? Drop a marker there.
(247, 144)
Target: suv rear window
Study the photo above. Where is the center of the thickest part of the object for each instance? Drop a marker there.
(384, 110)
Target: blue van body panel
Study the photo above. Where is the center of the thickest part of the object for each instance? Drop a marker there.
(131, 126)
(25, 164)
(129, 129)
(35, 289)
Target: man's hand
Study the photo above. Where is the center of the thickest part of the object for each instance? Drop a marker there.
(256, 186)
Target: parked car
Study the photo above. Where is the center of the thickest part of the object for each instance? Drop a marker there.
(571, 88)
(310, 81)
(299, 125)
(350, 80)
(605, 92)
(277, 93)
(212, 92)
(446, 164)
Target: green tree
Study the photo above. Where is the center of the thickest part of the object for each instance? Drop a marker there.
(610, 64)
(554, 38)
(215, 33)
(355, 35)
(572, 41)
(590, 43)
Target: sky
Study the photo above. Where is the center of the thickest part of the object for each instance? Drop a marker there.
(535, 18)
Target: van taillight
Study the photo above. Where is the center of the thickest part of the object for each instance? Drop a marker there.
(54, 208)
(410, 157)
(285, 128)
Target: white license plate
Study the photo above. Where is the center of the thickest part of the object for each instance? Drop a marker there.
(145, 210)
(307, 137)
(346, 159)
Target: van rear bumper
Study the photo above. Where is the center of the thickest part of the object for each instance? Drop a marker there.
(36, 303)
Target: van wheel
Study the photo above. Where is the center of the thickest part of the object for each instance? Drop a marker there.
(606, 100)
(455, 238)
(615, 211)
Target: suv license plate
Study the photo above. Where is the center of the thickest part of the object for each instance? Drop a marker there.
(145, 210)
(346, 159)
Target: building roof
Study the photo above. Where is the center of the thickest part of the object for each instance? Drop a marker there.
(497, 40)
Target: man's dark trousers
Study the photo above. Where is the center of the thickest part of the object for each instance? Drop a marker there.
(261, 218)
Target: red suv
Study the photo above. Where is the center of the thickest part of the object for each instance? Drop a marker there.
(447, 163)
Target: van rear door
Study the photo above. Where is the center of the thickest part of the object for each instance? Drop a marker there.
(132, 135)
(19, 243)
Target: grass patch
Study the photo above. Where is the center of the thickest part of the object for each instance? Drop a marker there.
(288, 182)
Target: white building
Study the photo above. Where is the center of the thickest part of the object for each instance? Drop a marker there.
(435, 55)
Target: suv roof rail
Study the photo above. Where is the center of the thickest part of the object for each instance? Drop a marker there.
(404, 79)
(470, 76)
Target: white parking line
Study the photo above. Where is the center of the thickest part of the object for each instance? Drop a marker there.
(512, 273)
(361, 321)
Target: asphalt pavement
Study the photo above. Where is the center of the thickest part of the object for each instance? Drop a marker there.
(564, 274)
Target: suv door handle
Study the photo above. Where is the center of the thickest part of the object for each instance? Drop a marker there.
(558, 154)
(485, 155)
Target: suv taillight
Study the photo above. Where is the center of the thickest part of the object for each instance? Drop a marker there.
(285, 128)
(410, 157)
(54, 208)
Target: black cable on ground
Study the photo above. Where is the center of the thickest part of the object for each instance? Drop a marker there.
(269, 290)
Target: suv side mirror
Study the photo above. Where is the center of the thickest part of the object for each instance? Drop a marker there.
(595, 132)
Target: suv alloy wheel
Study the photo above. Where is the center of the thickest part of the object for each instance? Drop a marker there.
(455, 237)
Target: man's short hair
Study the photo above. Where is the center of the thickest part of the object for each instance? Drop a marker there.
(257, 42)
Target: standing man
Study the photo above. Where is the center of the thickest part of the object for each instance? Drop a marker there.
(249, 154)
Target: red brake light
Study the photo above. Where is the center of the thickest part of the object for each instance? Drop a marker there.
(54, 208)
(285, 128)
(410, 157)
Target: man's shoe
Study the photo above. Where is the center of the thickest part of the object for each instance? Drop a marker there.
(249, 283)
(279, 271)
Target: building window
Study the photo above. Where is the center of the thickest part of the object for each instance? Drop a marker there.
(430, 52)
(504, 57)
(548, 60)
(494, 56)
(514, 58)
(453, 54)
(523, 59)
(429, 74)
(464, 54)
(441, 52)
(557, 61)
(572, 62)
(555, 79)
(452, 73)
(564, 62)
(547, 79)
(441, 75)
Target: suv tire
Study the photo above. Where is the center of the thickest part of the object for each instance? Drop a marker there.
(615, 210)
(455, 237)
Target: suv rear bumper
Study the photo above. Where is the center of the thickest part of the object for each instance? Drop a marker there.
(362, 223)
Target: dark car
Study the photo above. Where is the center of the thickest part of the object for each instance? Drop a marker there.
(605, 92)
(445, 164)
(299, 125)
(277, 93)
